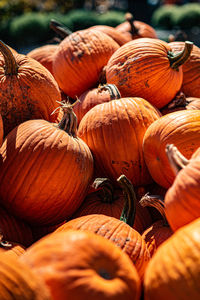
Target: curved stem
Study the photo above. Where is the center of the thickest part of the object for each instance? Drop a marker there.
(106, 187)
(112, 89)
(129, 210)
(60, 29)
(11, 67)
(129, 18)
(176, 159)
(155, 201)
(69, 119)
(180, 58)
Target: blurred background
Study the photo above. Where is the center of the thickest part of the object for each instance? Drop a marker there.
(24, 24)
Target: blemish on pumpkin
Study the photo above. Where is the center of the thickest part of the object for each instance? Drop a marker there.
(146, 84)
(103, 273)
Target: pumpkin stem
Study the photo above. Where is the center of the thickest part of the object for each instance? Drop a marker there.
(176, 60)
(129, 210)
(176, 159)
(11, 67)
(129, 18)
(106, 188)
(112, 89)
(60, 29)
(68, 122)
(155, 201)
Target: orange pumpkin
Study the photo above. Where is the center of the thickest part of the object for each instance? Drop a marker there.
(79, 59)
(1, 131)
(191, 69)
(80, 265)
(181, 128)
(114, 132)
(44, 55)
(10, 248)
(48, 167)
(120, 232)
(173, 272)
(182, 200)
(18, 281)
(147, 68)
(27, 90)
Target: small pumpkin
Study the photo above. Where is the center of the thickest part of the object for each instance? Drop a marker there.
(27, 90)
(181, 128)
(120, 232)
(148, 68)
(173, 271)
(80, 265)
(79, 59)
(48, 167)
(182, 200)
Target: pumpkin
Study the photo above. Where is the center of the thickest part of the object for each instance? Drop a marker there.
(120, 232)
(27, 90)
(160, 230)
(182, 200)
(48, 167)
(18, 281)
(1, 131)
(135, 29)
(173, 272)
(181, 128)
(10, 248)
(115, 34)
(191, 69)
(147, 68)
(114, 132)
(44, 55)
(79, 59)
(109, 200)
(92, 97)
(181, 102)
(80, 265)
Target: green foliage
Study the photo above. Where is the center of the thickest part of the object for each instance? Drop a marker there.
(112, 18)
(82, 19)
(163, 16)
(188, 16)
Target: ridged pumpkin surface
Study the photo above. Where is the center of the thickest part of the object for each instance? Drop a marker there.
(80, 265)
(1, 131)
(174, 270)
(120, 233)
(141, 68)
(114, 132)
(191, 70)
(48, 170)
(18, 282)
(181, 128)
(79, 59)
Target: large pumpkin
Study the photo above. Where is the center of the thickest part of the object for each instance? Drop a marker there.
(45, 170)
(27, 90)
(147, 68)
(114, 132)
(79, 60)
(181, 128)
(173, 272)
(81, 265)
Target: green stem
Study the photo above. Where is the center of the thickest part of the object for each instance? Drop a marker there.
(176, 159)
(106, 188)
(69, 119)
(129, 18)
(180, 58)
(112, 89)
(60, 29)
(11, 67)
(129, 210)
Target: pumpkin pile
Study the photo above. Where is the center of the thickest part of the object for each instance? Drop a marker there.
(100, 167)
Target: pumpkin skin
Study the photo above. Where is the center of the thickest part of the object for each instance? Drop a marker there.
(11, 249)
(27, 90)
(141, 68)
(49, 170)
(80, 265)
(182, 200)
(90, 98)
(173, 272)
(191, 69)
(17, 281)
(181, 128)
(114, 132)
(1, 131)
(120, 233)
(79, 60)
(44, 55)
